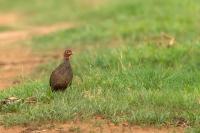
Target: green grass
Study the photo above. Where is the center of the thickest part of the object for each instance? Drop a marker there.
(117, 72)
(141, 85)
(129, 22)
(47, 11)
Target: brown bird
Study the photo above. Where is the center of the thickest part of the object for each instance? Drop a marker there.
(62, 76)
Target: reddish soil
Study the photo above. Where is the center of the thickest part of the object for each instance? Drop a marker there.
(15, 62)
(9, 18)
(92, 126)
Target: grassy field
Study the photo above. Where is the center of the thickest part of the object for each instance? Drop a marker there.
(120, 71)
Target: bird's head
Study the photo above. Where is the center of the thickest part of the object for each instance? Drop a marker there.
(67, 53)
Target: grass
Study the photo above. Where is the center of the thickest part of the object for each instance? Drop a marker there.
(118, 74)
(126, 22)
(47, 12)
(128, 84)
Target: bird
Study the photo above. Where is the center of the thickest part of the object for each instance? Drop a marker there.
(62, 76)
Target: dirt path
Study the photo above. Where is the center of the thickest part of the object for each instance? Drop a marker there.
(9, 18)
(17, 61)
(19, 35)
(92, 126)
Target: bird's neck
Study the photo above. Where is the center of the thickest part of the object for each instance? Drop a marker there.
(66, 61)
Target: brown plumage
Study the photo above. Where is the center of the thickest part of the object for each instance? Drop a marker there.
(62, 76)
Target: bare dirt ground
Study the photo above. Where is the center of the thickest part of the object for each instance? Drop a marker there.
(91, 126)
(8, 18)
